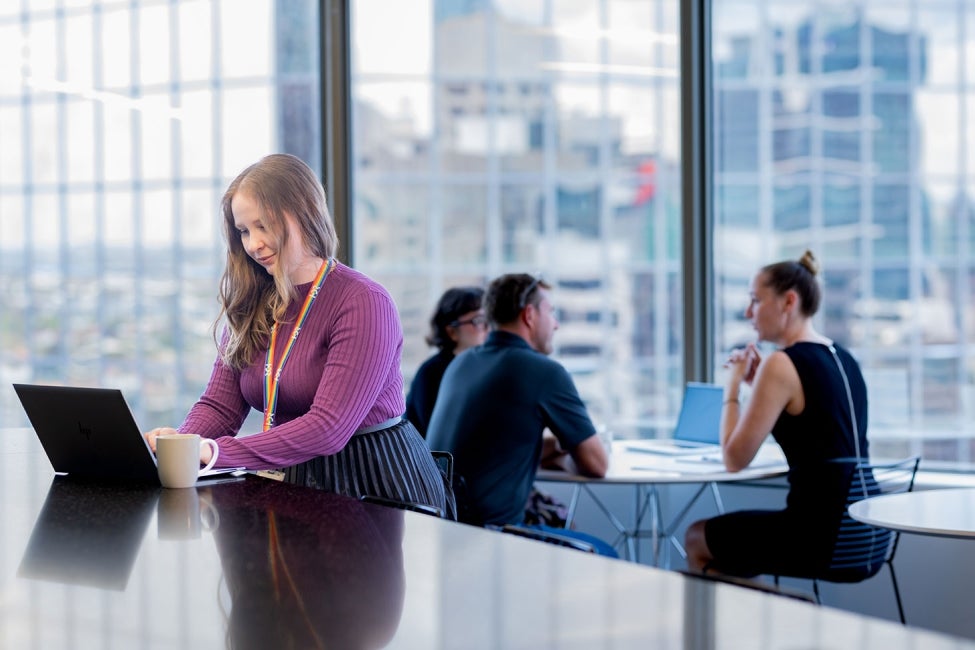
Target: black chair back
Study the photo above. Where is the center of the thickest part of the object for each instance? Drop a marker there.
(861, 549)
(445, 461)
(402, 505)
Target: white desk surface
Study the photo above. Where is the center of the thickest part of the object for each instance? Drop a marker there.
(635, 467)
(942, 513)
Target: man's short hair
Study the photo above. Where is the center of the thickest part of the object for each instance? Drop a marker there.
(507, 295)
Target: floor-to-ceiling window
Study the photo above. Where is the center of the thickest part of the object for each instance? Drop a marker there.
(121, 123)
(497, 136)
(846, 128)
(538, 136)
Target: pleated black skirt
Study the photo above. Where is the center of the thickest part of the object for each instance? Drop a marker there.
(393, 463)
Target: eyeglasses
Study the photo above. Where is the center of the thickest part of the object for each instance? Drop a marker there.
(526, 294)
(477, 321)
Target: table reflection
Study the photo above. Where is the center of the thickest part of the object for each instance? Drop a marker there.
(88, 533)
(307, 569)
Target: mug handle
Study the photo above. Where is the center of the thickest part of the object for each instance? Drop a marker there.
(216, 452)
(212, 522)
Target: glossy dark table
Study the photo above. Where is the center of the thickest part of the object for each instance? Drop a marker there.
(259, 564)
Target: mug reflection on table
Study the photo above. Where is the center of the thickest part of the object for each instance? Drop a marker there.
(184, 514)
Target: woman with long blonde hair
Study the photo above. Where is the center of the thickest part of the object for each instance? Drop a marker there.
(312, 344)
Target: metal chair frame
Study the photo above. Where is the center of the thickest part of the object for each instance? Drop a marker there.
(862, 550)
(547, 537)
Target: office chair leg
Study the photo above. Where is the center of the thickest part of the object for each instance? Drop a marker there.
(897, 593)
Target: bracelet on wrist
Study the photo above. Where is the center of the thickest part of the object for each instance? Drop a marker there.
(732, 400)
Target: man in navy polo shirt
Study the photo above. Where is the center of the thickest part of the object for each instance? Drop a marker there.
(498, 398)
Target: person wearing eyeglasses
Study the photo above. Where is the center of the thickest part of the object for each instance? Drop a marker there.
(458, 323)
(498, 399)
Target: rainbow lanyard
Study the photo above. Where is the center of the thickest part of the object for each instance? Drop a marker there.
(271, 379)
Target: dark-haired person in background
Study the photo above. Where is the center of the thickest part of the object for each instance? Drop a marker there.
(799, 393)
(457, 323)
(496, 402)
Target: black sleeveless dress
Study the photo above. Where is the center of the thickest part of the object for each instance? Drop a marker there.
(799, 539)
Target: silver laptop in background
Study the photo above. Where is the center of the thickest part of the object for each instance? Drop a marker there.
(698, 427)
(90, 432)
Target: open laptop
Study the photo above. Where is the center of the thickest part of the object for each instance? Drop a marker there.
(90, 432)
(698, 427)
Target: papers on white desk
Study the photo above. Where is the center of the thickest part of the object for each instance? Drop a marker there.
(671, 447)
(702, 462)
(705, 464)
(707, 461)
(676, 465)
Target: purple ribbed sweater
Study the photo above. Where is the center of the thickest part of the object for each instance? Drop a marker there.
(343, 374)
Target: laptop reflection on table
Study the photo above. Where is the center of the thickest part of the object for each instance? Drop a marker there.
(88, 533)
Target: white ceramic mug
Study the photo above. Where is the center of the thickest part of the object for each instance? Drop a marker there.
(184, 514)
(178, 458)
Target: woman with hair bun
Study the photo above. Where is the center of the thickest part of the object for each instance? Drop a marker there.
(799, 394)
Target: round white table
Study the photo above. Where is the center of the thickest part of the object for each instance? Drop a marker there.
(645, 472)
(942, 513)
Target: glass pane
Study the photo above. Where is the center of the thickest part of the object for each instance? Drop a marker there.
(80, 118)
(113, 163)
(116, 55)
(117, 142)
(734, 55)
(891, 209)
(639, 119)
(194, 23)
(889, 27)
(464, 225)
(12, 152)
(393, 122)
(240, 105)
(967, 135)
(195, 126)
(736, 119)
(381, 21)
(246, 39)
(943, 215)
(940, 53)
(939, 123)
(582, 126)
(153, 42)
(894, 113)
(522, 218)
(78, 34)
(856, 143)
(967, 23)
(538, 136)
(392, 224)
(155, 125)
